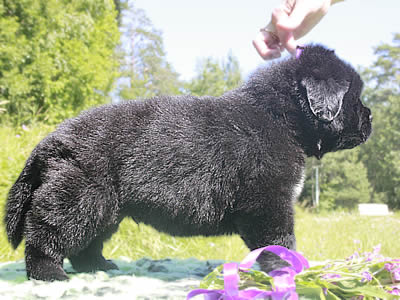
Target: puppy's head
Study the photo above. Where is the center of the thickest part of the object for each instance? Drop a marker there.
(330, 90)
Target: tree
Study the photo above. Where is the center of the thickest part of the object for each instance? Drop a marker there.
(56, 58)
(120, 5)
(343, 180)
(145, 69)
(215, 77)
(381, 154)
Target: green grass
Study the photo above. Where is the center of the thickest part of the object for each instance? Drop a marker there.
(329, 235)
(334, 235)
(319, 237)
(136, 241)
(15, 146)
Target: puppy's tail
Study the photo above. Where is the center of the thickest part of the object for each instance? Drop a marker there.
(19, 200)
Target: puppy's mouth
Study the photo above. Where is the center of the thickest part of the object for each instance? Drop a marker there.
(366, 126)
(364, 137)
(343, 142)
(353, 141)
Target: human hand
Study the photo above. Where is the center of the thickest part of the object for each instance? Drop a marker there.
(289, 22)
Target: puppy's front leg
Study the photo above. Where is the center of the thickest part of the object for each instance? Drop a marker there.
(264, 230)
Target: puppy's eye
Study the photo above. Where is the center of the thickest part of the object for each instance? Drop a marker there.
(317, 73)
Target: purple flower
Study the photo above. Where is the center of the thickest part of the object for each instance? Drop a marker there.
(367, 276)
(390, 266)
(394, 269)
(396, 275)
(395, 291)
(354, 256)
(377, 249)
(330, 276)
(374, 255)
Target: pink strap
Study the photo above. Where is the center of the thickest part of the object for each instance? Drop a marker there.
(284, 282)
(231, 279)
(299, 51)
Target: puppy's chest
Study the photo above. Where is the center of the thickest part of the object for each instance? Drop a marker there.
(298, 186)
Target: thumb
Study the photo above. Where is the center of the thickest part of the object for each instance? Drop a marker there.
(290, 43)
(304, 16)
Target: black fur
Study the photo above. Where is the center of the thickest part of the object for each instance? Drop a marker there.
(186, 165)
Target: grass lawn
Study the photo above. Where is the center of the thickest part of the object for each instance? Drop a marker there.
(319, 237)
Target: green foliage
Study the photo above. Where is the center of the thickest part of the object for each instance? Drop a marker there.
(144, 63)
(364, 277)
(56, 57)
(343, 181)
(215, 77)
(385, 72)
(381, 154)
(120, 5)
(147, 73)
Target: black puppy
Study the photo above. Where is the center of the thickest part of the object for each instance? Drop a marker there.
(186, 165)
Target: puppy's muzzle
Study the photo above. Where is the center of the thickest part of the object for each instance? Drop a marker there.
(366, 123)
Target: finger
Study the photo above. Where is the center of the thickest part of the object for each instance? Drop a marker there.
(287, 41)
(285, 36)
(290, 44)
(267, 45)
(266, 52)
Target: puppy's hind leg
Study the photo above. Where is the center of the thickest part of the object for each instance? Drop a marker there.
(68, 219)
(91, 258)
(43, 267)
(42, 258)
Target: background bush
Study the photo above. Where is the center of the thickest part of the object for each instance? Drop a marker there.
(56, 57)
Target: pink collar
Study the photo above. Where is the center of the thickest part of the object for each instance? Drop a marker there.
(299, 50)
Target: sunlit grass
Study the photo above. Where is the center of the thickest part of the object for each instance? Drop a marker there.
(15, 146)
(334, 235)
(136, 241)
(319, 237)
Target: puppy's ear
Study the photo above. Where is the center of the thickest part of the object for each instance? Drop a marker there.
(325, 97)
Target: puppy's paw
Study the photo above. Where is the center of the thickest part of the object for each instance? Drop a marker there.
(108, 265)
(85, 263)
(270, 262)
(48, 273)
